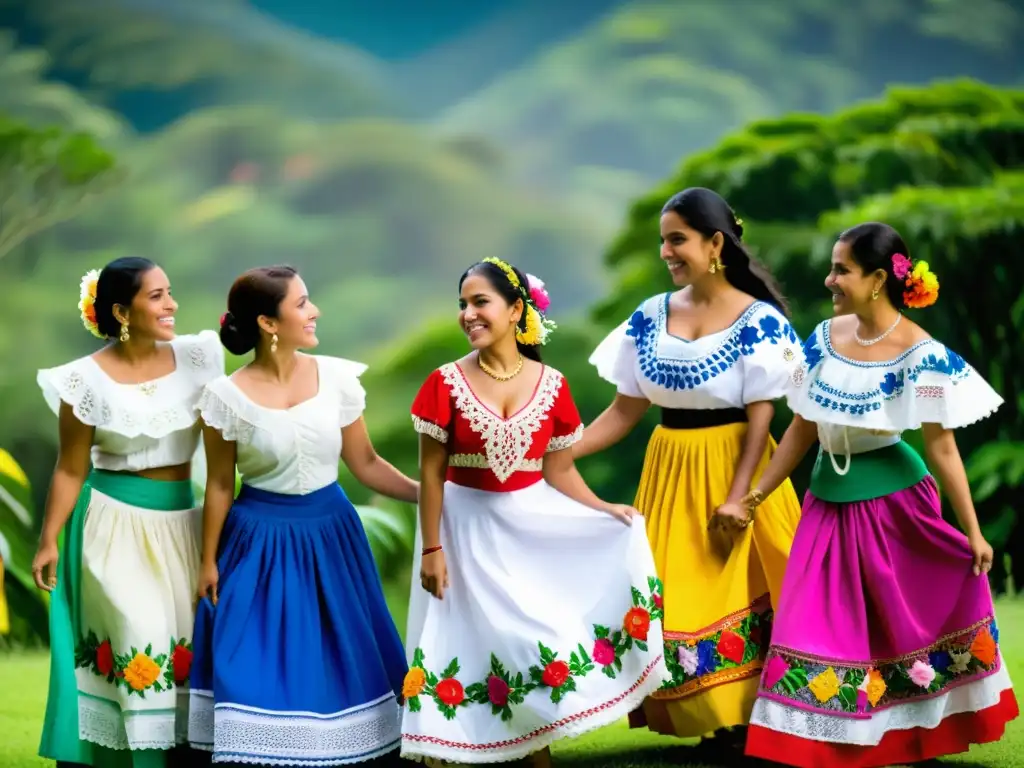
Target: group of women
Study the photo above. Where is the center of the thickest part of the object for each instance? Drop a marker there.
(253, 629)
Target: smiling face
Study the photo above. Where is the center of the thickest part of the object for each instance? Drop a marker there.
(295, 324)
(850, 285)
(685, 251)
(485, 315)
(151, 313)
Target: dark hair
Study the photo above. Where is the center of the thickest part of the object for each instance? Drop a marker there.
(872, 246)
(707, 212)
(256, 292)
(119, 283)
(499, 280)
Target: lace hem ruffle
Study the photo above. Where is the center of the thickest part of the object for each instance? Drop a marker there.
(424, 427)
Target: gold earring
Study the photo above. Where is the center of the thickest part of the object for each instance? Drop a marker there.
(273, 343)
(124, 332)
(716, 265)
(874, 295)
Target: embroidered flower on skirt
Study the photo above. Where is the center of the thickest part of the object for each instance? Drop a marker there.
(136, 671)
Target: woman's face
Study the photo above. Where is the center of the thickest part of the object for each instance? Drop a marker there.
(851, 287)
(295, 324)
(484, 314)
(151, 313)
(685, 251)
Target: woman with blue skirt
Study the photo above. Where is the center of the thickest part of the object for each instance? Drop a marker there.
(119, 547)
(297, 660)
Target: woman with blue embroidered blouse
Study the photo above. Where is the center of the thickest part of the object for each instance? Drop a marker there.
(885, 649)
(712, 356)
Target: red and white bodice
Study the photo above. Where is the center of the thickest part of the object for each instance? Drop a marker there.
(486, 451)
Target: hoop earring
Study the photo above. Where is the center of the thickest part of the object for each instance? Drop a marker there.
(273, 343)
(123, 338)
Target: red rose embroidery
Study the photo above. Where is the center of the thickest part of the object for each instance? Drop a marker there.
(659, 602)
(450, 692)
(636, 623)
(731, 646)
(604, 652)
(105, 658)
(181, 660)
(555, 674)
(497, 691)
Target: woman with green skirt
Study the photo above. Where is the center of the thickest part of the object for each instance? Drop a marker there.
(119, 549)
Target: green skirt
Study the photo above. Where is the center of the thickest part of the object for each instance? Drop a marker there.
(121, 623)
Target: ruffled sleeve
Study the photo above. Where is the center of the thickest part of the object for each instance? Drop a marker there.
(77, 384)
(565, 419)
(344, 379)
(222, 408)
(616, 358)
(202, 355)
(947, 390)
(772, 357)
(432, 409)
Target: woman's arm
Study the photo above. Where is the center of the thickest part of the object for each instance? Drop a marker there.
(759, 419)
(220, 495)
(370, 469)
(561, 474)
(944, 458)
(433, 468)
(617, 421)
(800, 436)
(68, 478)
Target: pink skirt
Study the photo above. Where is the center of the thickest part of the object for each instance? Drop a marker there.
(885, 648)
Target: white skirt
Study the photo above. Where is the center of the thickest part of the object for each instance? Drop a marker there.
(551, 626)
(138, 578)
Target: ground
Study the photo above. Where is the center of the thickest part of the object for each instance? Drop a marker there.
(23, 682)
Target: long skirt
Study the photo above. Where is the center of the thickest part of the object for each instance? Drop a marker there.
(718, 600)
(886, 648)
(121, 623)
(550, 627)
(299, 663)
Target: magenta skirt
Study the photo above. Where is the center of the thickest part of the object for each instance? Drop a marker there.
(884, 640)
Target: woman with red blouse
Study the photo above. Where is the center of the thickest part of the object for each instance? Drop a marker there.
(538, 614)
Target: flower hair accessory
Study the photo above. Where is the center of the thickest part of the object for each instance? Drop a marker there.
(922, 284)
(87, 302)
(536, 301)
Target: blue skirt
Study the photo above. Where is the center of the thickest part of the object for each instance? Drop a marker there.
(300, 662)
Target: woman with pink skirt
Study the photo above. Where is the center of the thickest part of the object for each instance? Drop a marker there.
(885, 648)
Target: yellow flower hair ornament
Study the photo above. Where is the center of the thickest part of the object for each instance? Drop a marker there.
(87, 302)
(538, 327)
(922, 284)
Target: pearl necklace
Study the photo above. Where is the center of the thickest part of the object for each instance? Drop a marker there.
(500, 376)
(869, 342)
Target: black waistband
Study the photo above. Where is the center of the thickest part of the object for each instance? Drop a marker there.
(693, 418)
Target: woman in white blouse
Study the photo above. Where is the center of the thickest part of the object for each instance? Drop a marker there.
(712, 356)
(297, 659)
(122, 581)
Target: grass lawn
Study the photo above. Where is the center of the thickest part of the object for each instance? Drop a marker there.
(23, 683)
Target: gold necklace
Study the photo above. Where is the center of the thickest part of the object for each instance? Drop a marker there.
(500, 376)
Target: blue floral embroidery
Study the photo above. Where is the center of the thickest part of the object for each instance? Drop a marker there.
(679, 373)
(812, 352)
(706, 660)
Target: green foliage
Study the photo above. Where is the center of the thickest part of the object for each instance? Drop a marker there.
(46, 176)
(28, 606)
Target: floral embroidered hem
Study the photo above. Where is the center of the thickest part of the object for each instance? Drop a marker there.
(136, 671)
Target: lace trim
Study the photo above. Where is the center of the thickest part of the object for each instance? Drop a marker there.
(240, 734)
(506, 441)
(479, 461)
(103, 722)
(561, 442)
(222, 417)
(424, 427)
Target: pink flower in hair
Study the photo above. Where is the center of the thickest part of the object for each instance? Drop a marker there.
(537, 293)
(900, 266)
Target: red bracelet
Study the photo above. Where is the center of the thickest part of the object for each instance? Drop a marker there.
(431, 550)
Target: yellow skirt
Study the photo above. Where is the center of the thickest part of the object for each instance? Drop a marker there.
(718, 598)
(5, 619)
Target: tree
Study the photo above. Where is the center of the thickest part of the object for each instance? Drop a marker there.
(938, 164)
(47, 176)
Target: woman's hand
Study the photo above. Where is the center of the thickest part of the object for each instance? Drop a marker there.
(434, 574)
(730, 516)
(623, 512)
(46, 560)
(209, 577)
(982, 552)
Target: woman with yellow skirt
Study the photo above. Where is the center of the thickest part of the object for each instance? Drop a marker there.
(712, 356)
(5, 556)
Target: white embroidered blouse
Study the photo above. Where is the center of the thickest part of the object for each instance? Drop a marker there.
(292, 451)
(750, 361)
(860, 406)
(139, 426)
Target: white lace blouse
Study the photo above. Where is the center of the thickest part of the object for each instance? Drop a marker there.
(139, 426)
(295, 450)
(750, 361)
(860, 406)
